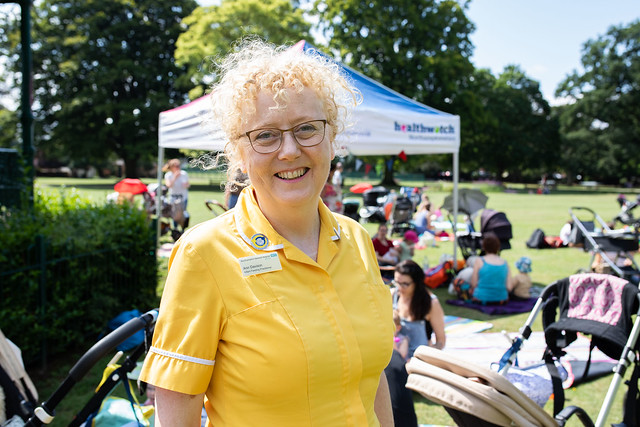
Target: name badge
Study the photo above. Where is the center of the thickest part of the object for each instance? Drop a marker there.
(259, 264)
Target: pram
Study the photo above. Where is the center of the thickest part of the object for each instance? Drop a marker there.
(625, 216)
(613, 247)
(602, 306)
(470, 242)
(173, 217)
(413, 193)
(45, 413)
(373, 201)
(351, 208)
(401, 214)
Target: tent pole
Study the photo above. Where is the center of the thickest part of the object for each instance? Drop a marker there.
(455, 208)
(159, 194)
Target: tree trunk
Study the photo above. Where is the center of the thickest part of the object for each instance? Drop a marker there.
(387, 178)
(131, 168)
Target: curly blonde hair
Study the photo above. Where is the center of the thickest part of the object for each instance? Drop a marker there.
(255, 66)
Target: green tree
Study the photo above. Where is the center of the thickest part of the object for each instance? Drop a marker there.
(213, 30)
(9, 87)
(479, 124)
(9, 124)
(420, 48)
(600, 124)
(526, 135)
(508, 126)
(102, 71)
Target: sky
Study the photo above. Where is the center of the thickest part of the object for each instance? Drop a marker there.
(544, 37)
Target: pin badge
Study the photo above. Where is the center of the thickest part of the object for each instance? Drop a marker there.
(259, 241)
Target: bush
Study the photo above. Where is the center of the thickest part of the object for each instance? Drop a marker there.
(68, 266)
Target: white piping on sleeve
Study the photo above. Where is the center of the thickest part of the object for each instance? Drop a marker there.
(182, 357)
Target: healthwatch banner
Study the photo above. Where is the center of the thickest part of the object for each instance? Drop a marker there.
(379, 132)
(422, 128)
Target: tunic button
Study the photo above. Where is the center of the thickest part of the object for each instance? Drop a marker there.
(321, 288)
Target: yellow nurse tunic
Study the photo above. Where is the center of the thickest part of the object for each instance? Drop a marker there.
(273, 337)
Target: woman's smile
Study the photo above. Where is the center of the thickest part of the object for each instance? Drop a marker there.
(290, 175)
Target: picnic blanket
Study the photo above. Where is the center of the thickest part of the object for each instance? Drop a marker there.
(460, 326)
(511, 307)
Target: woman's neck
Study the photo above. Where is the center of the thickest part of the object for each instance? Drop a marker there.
(301, 227)
(406, 297)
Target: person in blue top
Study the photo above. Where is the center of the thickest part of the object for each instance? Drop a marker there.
(490, 278)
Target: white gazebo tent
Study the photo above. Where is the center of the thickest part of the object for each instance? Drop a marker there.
(386, 123)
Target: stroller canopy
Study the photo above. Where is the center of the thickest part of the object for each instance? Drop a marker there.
(497, 223)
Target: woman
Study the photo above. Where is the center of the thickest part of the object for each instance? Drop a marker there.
(420, 315)
(385, 252)
(490, 280)
(177, 181)
(283, 296)
(420, 311)
(421, 218)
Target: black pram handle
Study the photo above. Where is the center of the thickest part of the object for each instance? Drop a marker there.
(46, 412)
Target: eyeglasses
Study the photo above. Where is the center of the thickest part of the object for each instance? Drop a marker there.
(404, 285)
(307, 134)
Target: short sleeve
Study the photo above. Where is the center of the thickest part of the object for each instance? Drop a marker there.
(189, 324)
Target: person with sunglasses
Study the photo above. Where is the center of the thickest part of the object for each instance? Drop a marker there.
(274, 313)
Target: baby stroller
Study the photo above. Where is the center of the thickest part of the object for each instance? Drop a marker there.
(401, 214)
(602, 306)
(174, 219)
(625, 216)
(613, 247)
(413, 193)
(373, 201)
(351, 208)
(470, 242)
(45, 413)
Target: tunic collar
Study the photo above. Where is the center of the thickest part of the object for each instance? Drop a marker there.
(257, 232)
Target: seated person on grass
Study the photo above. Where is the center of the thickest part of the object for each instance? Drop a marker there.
(385, 252)
(520, 285)
(490, 279)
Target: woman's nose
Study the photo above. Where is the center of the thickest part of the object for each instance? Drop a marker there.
(290, 147)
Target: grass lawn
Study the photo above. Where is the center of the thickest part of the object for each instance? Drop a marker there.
(525, 211)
